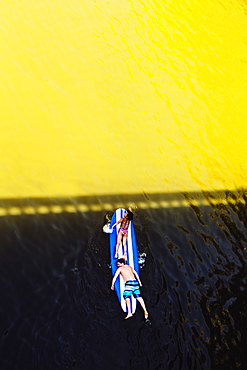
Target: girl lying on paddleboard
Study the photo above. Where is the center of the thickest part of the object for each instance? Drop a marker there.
(123, 231)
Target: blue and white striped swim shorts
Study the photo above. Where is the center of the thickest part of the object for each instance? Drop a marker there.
(131, 287)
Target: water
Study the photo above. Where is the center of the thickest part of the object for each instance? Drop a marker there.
(150, 87)
(107, 104)
(59, 311)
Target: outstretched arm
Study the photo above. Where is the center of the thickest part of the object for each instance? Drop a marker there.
(118, 222)
(114, 278)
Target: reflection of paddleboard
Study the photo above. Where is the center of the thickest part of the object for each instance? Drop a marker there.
(132, 256)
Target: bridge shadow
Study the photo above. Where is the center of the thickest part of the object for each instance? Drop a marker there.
(55, 278)
(70, 204)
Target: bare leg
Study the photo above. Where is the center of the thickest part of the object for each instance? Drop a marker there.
(125, 237)
(129, 314)
(141, 301)
(119, 239)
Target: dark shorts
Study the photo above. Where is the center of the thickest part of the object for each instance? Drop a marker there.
(131, 287)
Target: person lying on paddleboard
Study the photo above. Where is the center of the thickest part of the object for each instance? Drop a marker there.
(132, 286)
(123, 231)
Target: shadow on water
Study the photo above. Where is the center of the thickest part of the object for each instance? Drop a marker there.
(58, 311)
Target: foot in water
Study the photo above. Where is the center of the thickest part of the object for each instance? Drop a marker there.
(125, 256)
(128, 316)
(116, 255)
(147, 321)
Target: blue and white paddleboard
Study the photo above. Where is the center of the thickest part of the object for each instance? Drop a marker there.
(132, 256)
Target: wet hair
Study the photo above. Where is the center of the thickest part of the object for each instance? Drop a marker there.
(129, 215)
(121, 260)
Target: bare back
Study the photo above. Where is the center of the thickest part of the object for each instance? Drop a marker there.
(127, 273)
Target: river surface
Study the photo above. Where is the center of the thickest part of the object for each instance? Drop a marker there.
(58, 311)
(91, 88)
(107, 104)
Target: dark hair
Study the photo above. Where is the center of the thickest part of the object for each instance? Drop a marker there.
(121, 260)
(129, 215)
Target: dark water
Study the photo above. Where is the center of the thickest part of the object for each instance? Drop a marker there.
(57, 309)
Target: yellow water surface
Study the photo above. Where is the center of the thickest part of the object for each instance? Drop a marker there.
(104, 97)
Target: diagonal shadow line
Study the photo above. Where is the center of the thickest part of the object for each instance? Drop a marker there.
(72, 204)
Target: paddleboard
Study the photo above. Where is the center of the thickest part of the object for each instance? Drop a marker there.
(132, 256)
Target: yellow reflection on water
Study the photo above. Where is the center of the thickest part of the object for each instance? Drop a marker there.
(103, 97)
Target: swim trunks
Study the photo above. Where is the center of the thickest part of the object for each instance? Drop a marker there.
(124, 231)
(131, 287)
